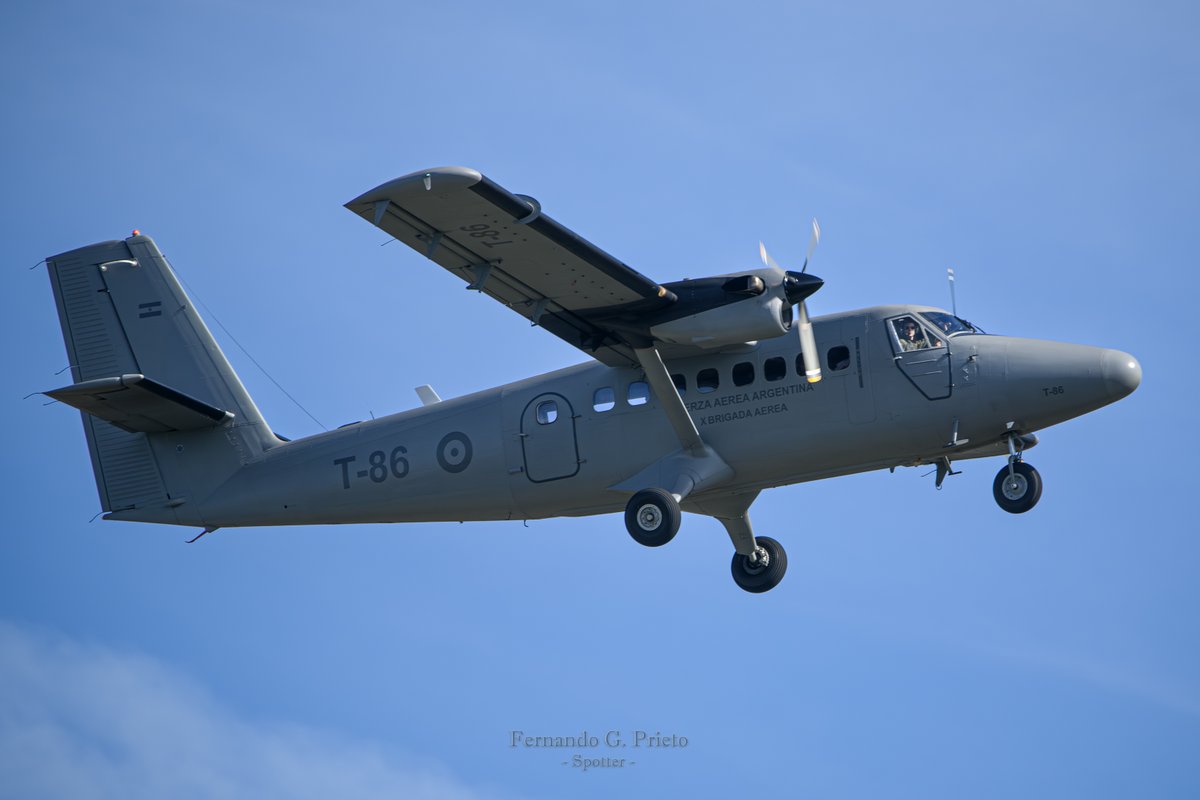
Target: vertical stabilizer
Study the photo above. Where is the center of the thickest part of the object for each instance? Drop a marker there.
(129, 327)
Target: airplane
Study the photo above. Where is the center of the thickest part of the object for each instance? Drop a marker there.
(696, 396)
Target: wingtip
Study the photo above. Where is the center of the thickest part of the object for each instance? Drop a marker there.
(419, 181)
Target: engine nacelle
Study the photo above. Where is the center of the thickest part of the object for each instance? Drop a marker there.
(763, 317)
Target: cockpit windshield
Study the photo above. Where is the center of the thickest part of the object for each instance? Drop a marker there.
(949, 324)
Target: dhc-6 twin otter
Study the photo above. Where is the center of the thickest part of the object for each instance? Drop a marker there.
(697, 394)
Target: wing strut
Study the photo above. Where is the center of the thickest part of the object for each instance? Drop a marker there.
(664, 389)
(692, 468)
(695, 465)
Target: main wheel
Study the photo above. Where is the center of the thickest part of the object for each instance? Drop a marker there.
(1019, 492)
(764, 573)
(652, 517)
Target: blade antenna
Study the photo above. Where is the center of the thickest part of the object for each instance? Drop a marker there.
(953, 302)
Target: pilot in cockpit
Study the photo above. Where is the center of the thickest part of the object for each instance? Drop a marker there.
(912, 336)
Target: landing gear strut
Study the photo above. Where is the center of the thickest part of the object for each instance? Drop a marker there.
(1018, 486)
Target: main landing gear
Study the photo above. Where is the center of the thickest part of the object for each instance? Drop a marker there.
(652, 515)
(652, 518)
(761, 570)
(1018, 486)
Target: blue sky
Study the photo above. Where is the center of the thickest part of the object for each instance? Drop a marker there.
(924, 644)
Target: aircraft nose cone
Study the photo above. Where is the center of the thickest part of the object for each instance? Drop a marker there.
(1122, 373)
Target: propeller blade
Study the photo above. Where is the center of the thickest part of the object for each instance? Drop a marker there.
(766, 257)
(812, 243)
(808, 346)
(796, 287)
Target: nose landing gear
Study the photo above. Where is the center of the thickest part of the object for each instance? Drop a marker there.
(1018, 486)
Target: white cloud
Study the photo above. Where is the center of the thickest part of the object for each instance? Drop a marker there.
(84, 721)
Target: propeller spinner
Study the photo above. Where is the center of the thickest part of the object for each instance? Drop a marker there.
(797, 286)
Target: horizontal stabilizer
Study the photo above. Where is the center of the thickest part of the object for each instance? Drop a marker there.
(428, 395)
(137, 403)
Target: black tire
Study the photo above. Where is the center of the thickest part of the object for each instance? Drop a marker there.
(1020, 494)
(652, 517)
(757, 578)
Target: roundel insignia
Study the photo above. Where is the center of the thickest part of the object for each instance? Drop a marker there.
(454, 452)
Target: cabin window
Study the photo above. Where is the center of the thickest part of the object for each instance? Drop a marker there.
(604, 399)
(680, 383)
(743, 373)
(775, 369)
(707, 381)
(547, 412)
(838, 358)
(638, 394)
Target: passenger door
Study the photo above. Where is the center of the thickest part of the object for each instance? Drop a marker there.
(548, 442)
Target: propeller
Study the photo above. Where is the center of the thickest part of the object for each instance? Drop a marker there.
(797, 286)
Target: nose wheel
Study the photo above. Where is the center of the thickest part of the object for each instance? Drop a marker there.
(1017, 487)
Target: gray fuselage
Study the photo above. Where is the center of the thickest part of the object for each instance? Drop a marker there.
(550, 445)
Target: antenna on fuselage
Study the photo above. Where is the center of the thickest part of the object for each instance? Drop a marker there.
(953, 302)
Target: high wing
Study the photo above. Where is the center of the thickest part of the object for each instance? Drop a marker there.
(503, 245)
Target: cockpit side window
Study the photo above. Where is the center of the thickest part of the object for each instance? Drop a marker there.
(911, 335)
(948, 324)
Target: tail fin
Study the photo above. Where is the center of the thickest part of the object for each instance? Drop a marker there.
(166, 418)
